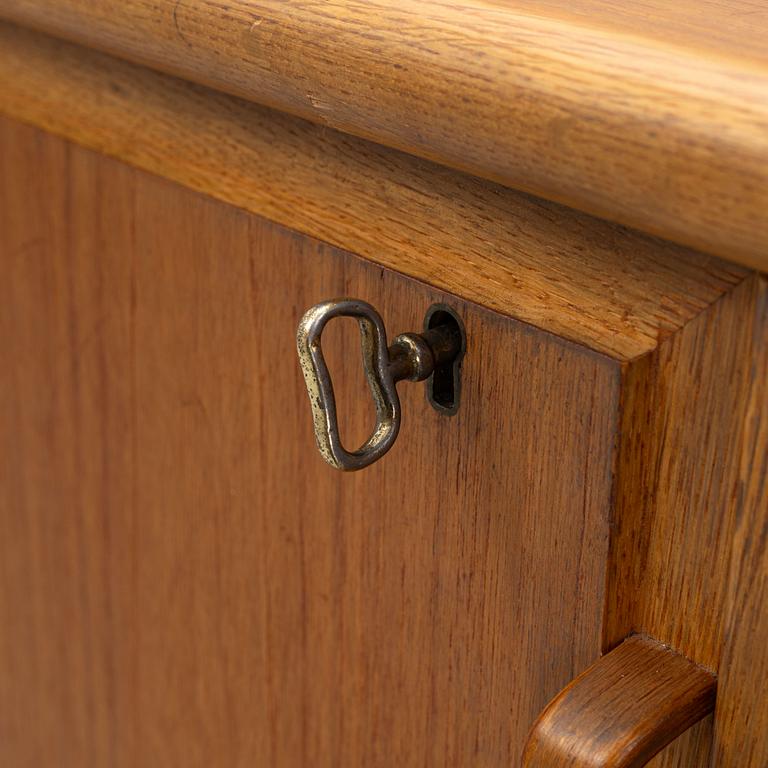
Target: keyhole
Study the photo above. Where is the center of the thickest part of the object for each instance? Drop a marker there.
(444, 385)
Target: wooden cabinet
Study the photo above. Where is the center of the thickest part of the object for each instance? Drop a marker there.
(183, 581)
(226, 594)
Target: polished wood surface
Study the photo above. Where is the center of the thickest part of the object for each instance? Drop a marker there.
(598, 284)
(741, 726)
(630, 115)
(622, 710)
(687, 417)
(185, 582)
(688, 553)
(710, 27)
(180, 568)
(149, 522)
(674, 536)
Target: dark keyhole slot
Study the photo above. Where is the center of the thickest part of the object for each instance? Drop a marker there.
(444, 385)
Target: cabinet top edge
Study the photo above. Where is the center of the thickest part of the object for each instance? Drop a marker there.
(653, 115)
(604, 286)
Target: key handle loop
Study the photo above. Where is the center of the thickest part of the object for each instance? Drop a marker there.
(381, 382)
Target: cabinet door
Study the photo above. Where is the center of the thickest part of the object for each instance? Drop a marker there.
(185, 582)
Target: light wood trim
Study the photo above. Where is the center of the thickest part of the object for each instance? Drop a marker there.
(741, 721)
(690, 491)
(684, 414)
(622, 710)
(618, 121)
(584, 279)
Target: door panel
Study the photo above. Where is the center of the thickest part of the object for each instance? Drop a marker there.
(185, 582)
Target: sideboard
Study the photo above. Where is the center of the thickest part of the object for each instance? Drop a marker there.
(561, 562)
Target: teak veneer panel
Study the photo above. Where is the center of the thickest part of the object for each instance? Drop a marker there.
(172, 543)
(622, 710)
(569, 101)
(584, 279)
(741, 730)
(679, 569)
(185, 582)
(684, 418)
(688, 556)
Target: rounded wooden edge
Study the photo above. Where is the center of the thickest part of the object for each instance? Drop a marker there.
(606, 144)
(542, 264)
(622, 710)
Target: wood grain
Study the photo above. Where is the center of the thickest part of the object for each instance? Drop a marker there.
(690, 474)
(183, 581)
(686, 333)
(716, 28)
(604, 286)
(664, 132)
(696, 388)
(676, 519)
(741, 731)
(622, 710)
